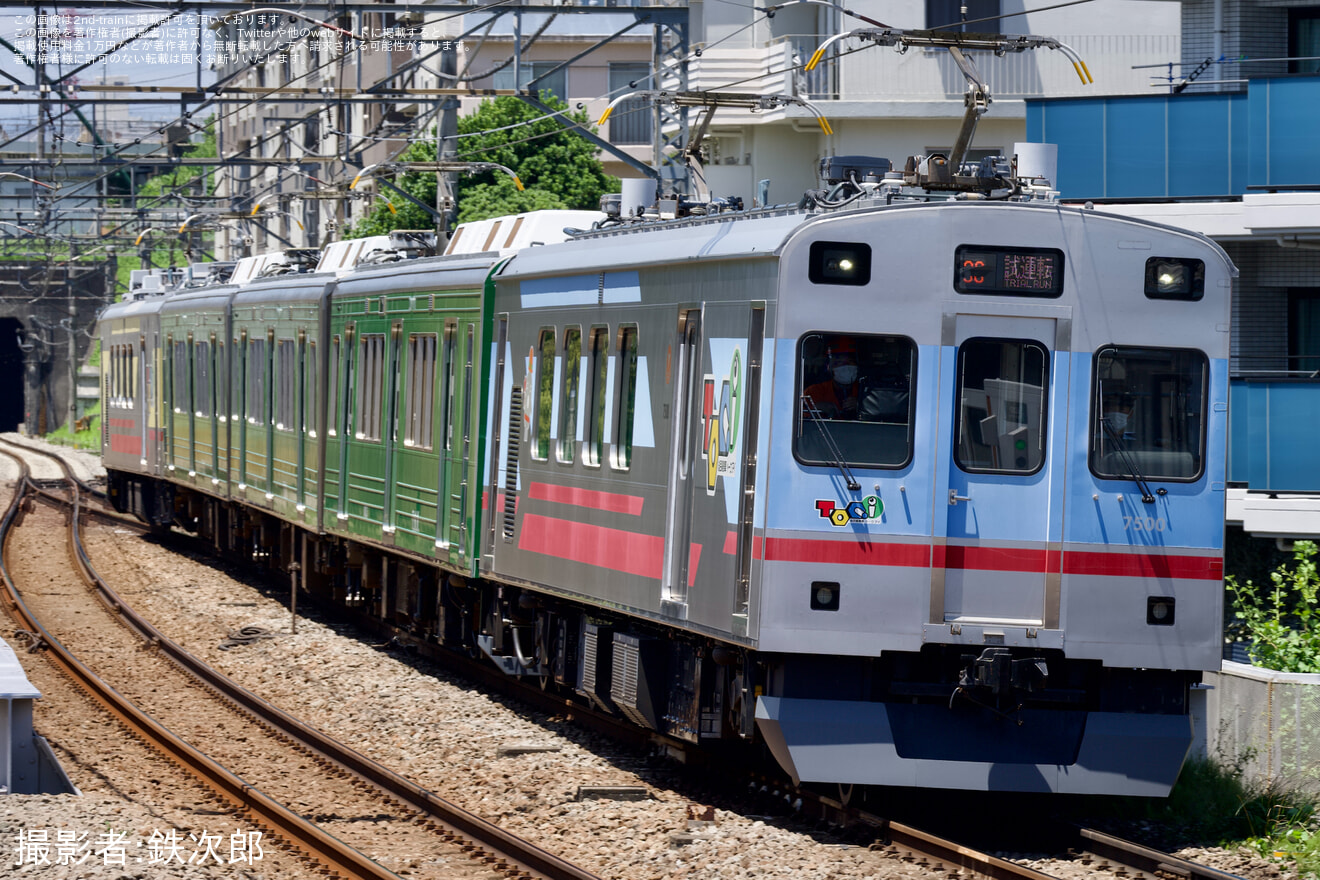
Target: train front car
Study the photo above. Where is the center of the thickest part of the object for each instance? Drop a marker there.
(993, 501)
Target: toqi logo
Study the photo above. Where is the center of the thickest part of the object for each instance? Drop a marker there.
(869, 508)
(719, 420)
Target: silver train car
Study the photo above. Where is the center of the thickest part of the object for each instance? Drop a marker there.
(921, 493)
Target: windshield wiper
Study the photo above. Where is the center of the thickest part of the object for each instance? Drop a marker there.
(1128, 461)
(809, 409)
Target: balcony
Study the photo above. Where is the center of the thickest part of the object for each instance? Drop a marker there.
(883, 74)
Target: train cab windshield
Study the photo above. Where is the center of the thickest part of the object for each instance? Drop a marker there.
(855, 394)
(1148, 413)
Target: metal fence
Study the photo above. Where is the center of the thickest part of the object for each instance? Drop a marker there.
(1268, 723)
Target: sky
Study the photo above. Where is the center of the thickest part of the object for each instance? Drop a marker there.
(168, 56)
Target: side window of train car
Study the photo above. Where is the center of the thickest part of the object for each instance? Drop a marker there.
(625, 400)
(332, 390)
(594, 445)
(371, 378)
(419, 414)
(447, 390)
(310, 367)
(999, 423)
(545, 393)
(286, 361)
(218, 370)
(1148, 413)
(202, 379)
(568, 395)
(180, 399)
(855, 394)
(256, 381)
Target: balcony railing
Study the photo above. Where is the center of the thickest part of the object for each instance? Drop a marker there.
(879, 73)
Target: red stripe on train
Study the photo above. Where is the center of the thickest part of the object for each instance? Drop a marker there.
(615, 549)
(1031, 560)
(596, 500)
(1144, 565)
(846, 552)
(126, 443)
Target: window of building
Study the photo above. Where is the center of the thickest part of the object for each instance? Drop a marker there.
(1304, 39)
(855, 395)
(556, 83)
(594, 445)
(1304, 329)
(419, 415)
(631, 121)
(545, 388)
(371, 377)
(1000, 421)
(1148, 413)
(625, 399)
(568, 397)
(949, 12)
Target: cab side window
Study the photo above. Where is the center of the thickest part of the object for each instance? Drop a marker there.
(855, 395)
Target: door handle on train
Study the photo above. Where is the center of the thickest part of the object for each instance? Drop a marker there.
(954, 498)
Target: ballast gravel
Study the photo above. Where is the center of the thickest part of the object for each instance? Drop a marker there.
(514, 767)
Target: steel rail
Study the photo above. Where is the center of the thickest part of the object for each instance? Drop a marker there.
(322, 847)
(510, 850)
(1143, 858)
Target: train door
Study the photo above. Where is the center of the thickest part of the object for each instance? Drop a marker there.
(998, 498)
(683, 451)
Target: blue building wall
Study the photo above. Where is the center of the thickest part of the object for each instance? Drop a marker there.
(1271, 434)
(1187, 145)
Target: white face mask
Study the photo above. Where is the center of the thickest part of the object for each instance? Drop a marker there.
(1118, 421)
(845, 374)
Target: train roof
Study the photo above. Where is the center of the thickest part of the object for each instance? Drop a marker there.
(424, 274)
(742, 235)
(721, 237)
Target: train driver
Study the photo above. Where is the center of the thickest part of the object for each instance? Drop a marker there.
(837, 396)
(1116, 411)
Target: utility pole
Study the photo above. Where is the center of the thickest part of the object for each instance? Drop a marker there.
(446, 148)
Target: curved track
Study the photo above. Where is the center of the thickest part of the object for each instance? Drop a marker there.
(481, 842)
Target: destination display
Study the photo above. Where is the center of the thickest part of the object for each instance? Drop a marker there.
(1008, 271)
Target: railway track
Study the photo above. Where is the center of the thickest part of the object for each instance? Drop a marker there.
(330, 780)
(1102, 854)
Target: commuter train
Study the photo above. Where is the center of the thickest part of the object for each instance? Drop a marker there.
(909, 488)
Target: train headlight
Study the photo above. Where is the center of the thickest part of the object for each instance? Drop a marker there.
(1172, 278)
(1159, 610)
(839, 262)
(824, 596)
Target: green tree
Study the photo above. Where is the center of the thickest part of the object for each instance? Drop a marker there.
(1281, 623)
(558, 168)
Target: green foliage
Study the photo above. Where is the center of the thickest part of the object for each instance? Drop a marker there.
(1213, 804)
(558, 168)
(502, 197)
(89, 438)
(1281, 623)
(544, 154)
